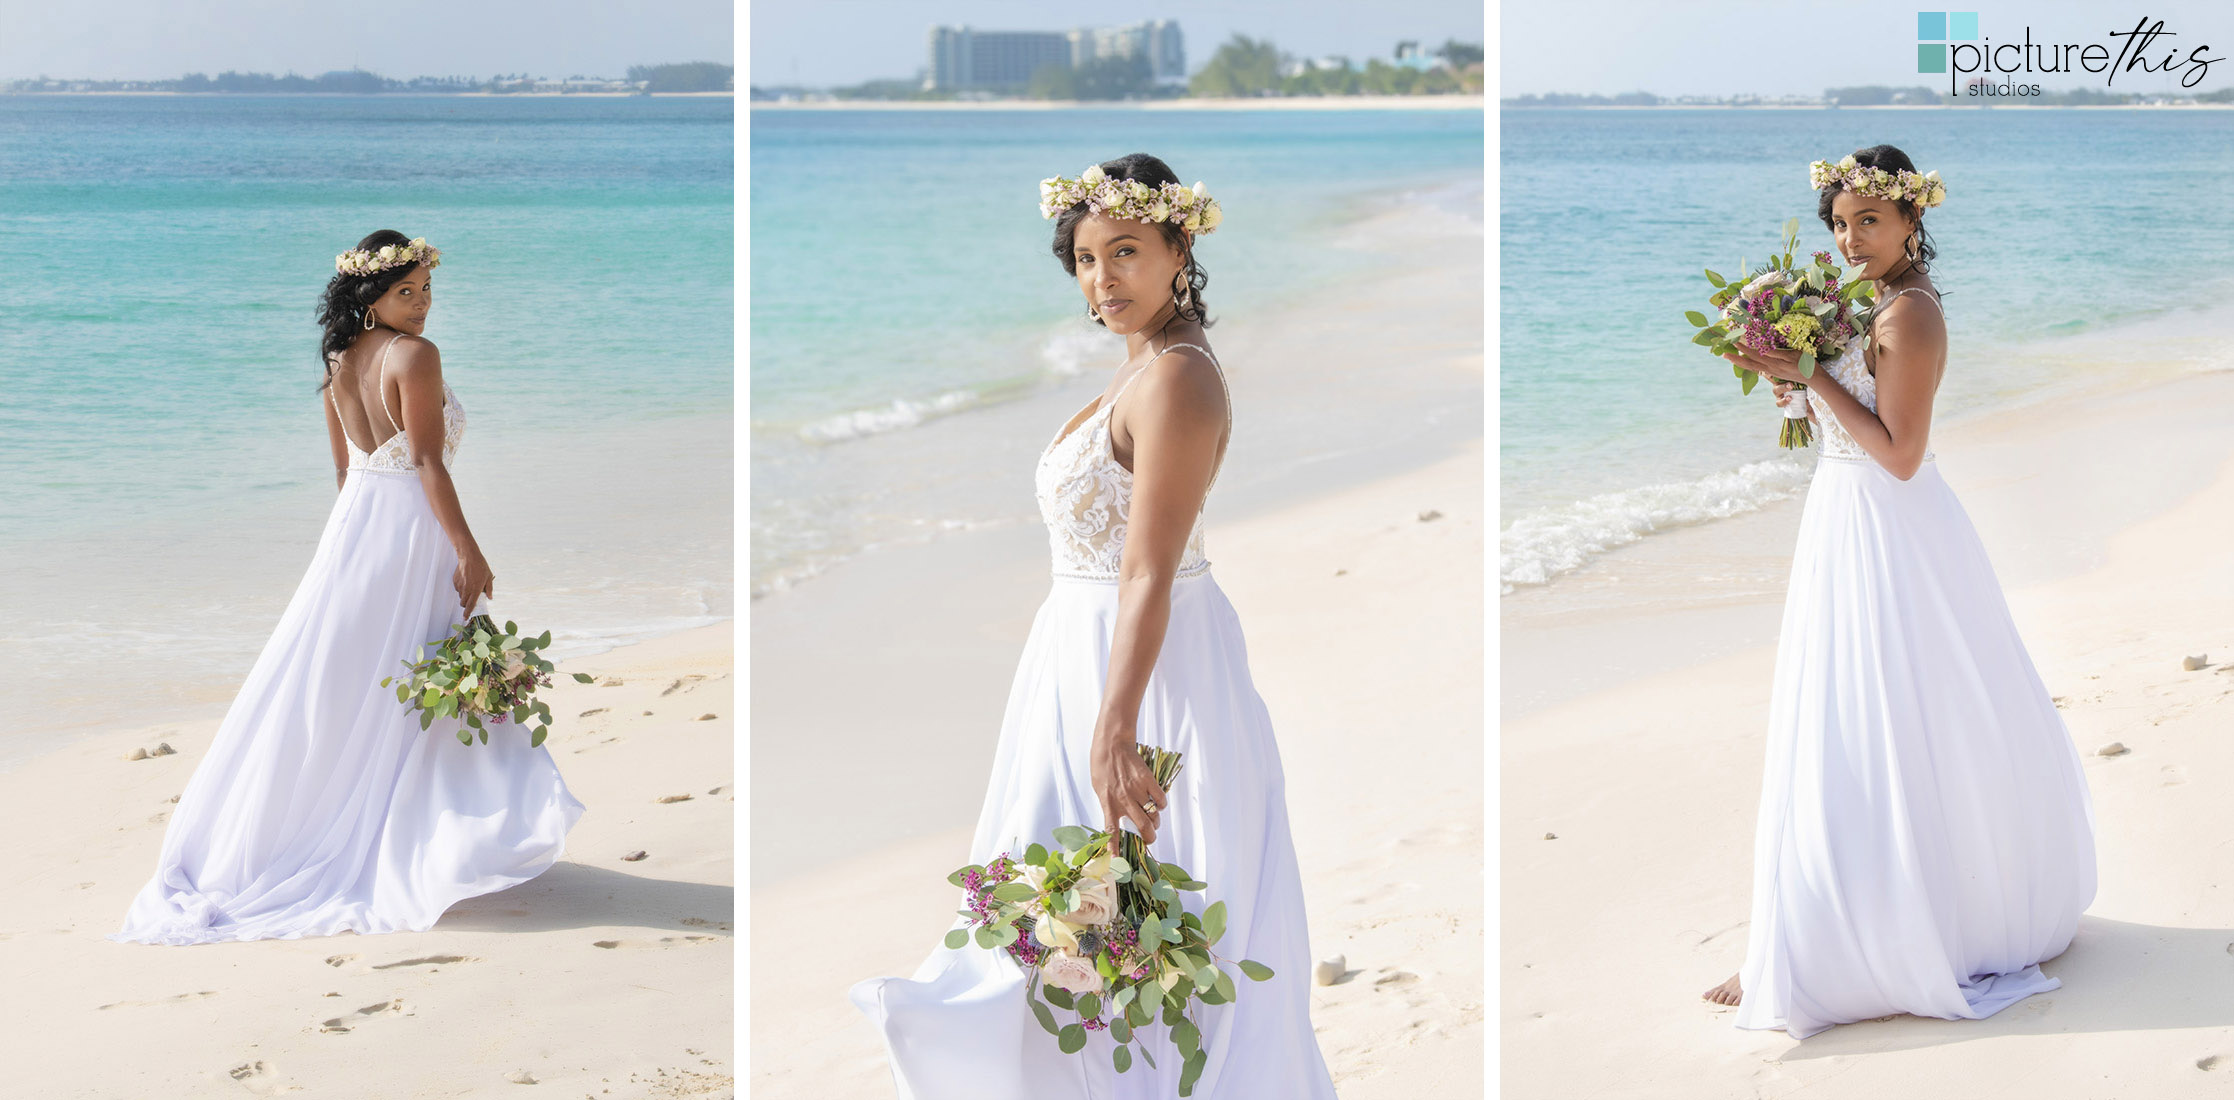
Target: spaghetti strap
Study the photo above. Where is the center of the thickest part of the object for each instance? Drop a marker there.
(380, 379)
(1928, 296)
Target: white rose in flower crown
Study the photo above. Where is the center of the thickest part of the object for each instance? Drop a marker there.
(1199, 192)
(1193, 224)
(1211, 216)
(1092, 177)
(1848, 163)
(1067, 971)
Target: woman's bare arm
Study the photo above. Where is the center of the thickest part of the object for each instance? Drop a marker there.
(335, 436)
(417, 368)
(1175, 420)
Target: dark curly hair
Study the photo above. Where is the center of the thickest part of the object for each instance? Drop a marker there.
(341, 308)
(1155, 173)
(1892, 160)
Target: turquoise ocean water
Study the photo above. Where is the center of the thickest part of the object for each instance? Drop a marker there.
(902, 274)
(162, 449)
(2073, 244)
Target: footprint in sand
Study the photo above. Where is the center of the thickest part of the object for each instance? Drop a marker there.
(1395, 979)
(170, 1000)
(436, 961)
(337, 960)
(701, 922)
(341, 1024)
(663, 941)
(260, 1079)
(672, 688)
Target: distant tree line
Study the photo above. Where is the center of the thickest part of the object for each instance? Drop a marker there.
(1247, 67)
(696, 76)
(692, 76)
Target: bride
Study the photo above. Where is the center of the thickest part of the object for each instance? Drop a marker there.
(1135, 644)
(1925, 837)
(322, 807)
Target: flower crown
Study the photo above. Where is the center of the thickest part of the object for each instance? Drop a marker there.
(1925, 191)
(1190, 208)
(367, 261)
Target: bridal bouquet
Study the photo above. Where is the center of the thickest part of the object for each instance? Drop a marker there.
(481, 672)
(1816, 309)
(1103, 934)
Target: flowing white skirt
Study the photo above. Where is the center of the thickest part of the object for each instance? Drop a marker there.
(960, 1030)
(1925, 836)
(321, 806)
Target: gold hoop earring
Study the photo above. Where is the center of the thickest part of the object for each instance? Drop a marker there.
(369, 323)
(1911, 248)
(1182, 294)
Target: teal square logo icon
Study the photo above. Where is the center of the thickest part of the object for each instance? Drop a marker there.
(1934, 29)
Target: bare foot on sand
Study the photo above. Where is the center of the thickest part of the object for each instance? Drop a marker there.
(1727, 993)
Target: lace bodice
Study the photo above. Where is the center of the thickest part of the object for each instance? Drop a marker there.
(1085, 496)
(1851, 371)
(393, 454)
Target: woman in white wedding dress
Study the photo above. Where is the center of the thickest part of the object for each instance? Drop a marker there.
(1135, 644)
(1925, 837)
(321, 806)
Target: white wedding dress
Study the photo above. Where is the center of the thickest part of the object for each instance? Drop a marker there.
(1925, 837)
(960, 1029)
(321, 806)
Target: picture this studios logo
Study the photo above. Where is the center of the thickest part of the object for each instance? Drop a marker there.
(1949, 42)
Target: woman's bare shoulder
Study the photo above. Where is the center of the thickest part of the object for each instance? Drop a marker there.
(415, 356)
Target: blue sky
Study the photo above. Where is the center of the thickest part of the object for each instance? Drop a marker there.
(832, 42)
(1800, 47)
(162, 39)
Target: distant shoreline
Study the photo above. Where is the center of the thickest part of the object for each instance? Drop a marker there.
(416, 95)
(1870, 106)
(1278, 103)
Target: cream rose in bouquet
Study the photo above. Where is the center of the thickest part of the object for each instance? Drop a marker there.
(1099, 928)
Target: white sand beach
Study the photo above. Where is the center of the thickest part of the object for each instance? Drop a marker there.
(601, 977)
(1635, 705)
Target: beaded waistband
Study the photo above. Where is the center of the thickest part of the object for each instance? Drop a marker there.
(1860, 457)
(1201, 568)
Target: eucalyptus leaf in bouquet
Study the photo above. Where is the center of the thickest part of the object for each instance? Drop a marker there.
(1104, 937)
(481, 672)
